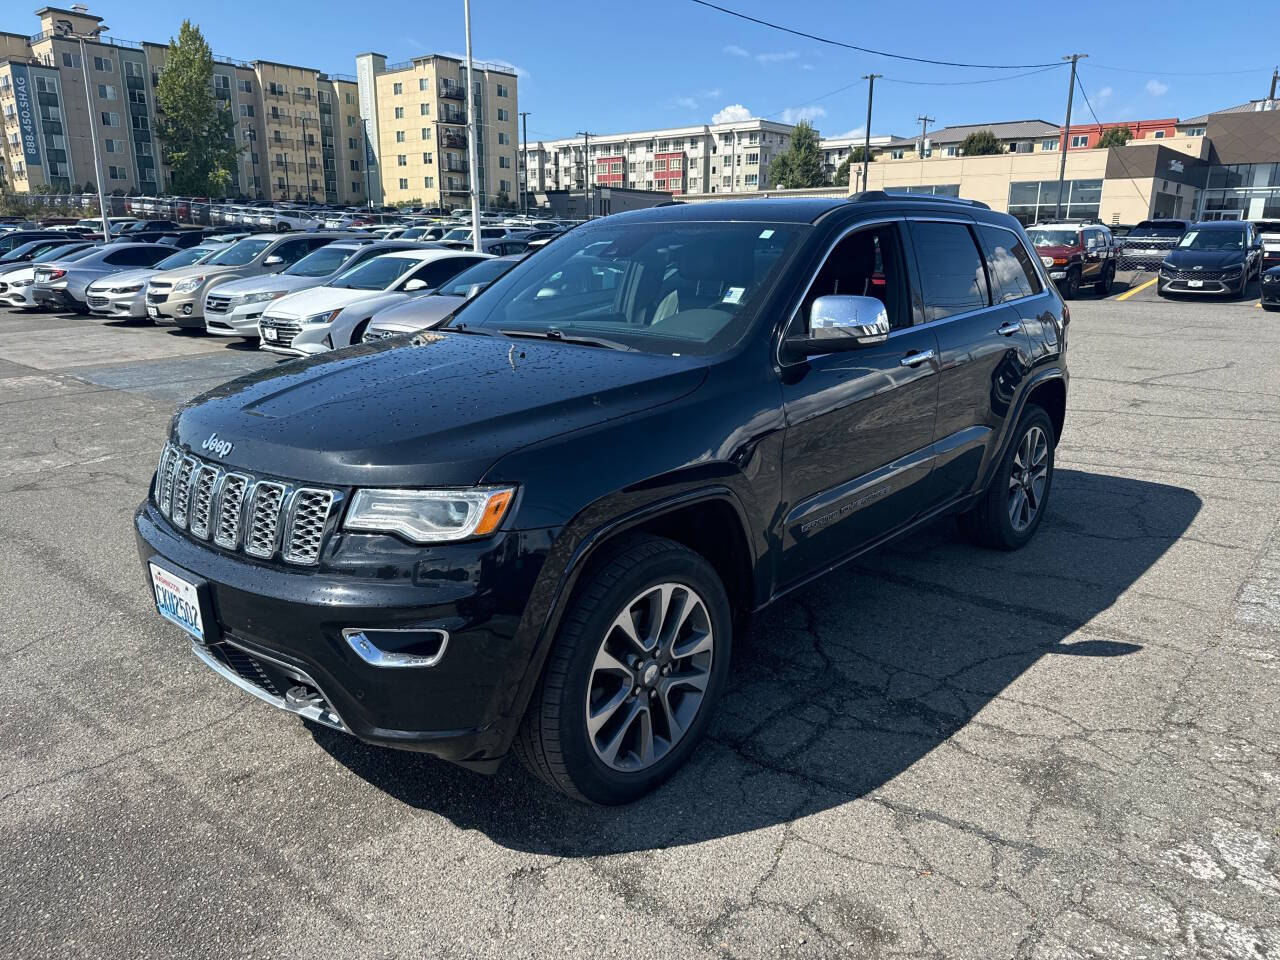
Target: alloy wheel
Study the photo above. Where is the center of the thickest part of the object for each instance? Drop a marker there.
(649, 677)
(1027, 478)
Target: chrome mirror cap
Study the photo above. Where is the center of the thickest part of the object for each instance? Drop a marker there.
(863, 320)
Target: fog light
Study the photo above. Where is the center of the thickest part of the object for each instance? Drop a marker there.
(186, 310)
(397, 648)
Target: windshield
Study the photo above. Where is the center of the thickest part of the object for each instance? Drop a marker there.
(482, 273)
(17, 253)
(376, 274)
(1053, 238)
(240, 252)
(184, 258)
(1219, 240)
(321, 263)
(1157, 230)
(458, 233)
(413, 233)
(64, 252)
(682, 288)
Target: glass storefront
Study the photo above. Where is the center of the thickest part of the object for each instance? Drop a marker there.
(937, 189)
(1242, 191)
(1031, 201)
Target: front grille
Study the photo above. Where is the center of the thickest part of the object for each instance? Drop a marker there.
(246, 666)
(1201, 274)
(217, 303)
(286, 330)
(153, 297)
(264, 518)
(96, 301)
(373, 336)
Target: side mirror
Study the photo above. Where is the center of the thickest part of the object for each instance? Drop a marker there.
(843, 323)
(274, 260)
(415, 285)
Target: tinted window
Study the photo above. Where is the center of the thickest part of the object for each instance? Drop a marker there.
(137, 257)
(376, 274)
(240, 252)
(484, 272)
(438, 271)
(291, 251)
(951, 270)
(864, 264)
(321, 262)
(1013, 275)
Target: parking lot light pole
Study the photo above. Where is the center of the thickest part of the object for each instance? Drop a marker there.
(1066, 133)
(93, 132)
(471, 136)
(524, 156)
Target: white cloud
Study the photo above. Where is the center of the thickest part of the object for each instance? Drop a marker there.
(709, 94)
(796, 114)
(689, 103)
(1104, 94)
(1156, 88)
(735, 51)
(734, 113)
(807, 66)
(776, 57)
(850, 134)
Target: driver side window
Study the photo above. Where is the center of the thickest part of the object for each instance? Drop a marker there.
(867, 263)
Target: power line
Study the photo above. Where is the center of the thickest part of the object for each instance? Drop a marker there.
(1119, 150)
(969, 83)
(878, 53)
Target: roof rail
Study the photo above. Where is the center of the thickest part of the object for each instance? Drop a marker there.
(879, 196)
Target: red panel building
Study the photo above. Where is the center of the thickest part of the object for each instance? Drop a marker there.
(1141, 130)
(669, 171)
(609, 171)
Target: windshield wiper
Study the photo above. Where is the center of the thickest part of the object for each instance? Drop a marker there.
(555, 333)
(447, 327)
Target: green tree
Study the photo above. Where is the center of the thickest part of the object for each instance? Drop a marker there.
(981, 143)
(1116, 137)
(196, 135)
(841, 178)
(800, 165)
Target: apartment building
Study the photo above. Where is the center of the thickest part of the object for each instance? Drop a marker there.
(416, 114)
(298, 128)
(1016, 136)
(836, 149)
(710, 158)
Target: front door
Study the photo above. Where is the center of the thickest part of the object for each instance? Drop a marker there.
(859, 422)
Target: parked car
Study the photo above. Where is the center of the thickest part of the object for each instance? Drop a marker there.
(1076, 254)
(177, 296)
(1268, 232)
(299, 324)
(497, 246)
(17, 283)
(64, 283)
(148, 225)
(423, 313)
(346, 221)
(1219, 256)
(426, 232)
(29, 251)
(282, 221)
(17, 238)
(1270, 293)
(536, 528)
(125, 294)
(1147, 244)
(463, 234)
(233, 309)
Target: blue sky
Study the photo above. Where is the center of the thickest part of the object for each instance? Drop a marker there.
(610, 67)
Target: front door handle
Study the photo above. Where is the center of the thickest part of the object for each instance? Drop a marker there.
(915, 359)
(1008, 328)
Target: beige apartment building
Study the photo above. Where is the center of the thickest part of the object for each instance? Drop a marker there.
(298, 128)
(416, 114)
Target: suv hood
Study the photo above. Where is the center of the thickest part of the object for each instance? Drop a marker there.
(438, 410)
(202, 270)
(1206, 259)
(1057, 251)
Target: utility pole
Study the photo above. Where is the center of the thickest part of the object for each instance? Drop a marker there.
(93, 130)
(471, 137)
(524, 155)
(866, 143)
(1275, 75)
(306, 159)
(924, 134)
(1066, 132)
(587, 200)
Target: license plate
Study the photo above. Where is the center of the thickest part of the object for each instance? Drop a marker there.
(269, 333)
(1195, 283)
(152, 311)
(177, 601)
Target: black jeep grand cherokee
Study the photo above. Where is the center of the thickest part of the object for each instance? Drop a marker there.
(538, 528)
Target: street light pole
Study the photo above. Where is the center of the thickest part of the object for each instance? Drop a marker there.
(306, 159)
(587, 199)
(524, 156)
(471, 136)
(93, 130)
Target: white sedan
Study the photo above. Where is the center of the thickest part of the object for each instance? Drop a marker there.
(299, 324)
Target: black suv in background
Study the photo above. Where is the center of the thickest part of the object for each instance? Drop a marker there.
(1216, 257)
(539, 528)
(1147, 244)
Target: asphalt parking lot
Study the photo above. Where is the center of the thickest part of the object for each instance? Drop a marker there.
(1066, 752)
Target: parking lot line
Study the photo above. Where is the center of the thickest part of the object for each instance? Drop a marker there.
(1138, 289)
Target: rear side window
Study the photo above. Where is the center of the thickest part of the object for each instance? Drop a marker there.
(1013, 275)
(952, 275)
(439, 271)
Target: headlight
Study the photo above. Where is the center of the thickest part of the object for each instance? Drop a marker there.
(132, 288)
(21, 283)
(257, 297)
(326, 317)
(430, 516)
(1166, 265)
(1047, 261)
(1231, 271)
(187, 285)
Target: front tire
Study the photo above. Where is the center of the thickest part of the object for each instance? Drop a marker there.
(1103, 286)
(1071, 285)
(1009, 513)
(633, 676)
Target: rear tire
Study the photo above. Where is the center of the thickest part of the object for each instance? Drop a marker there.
(596, 666)
(1010, 511)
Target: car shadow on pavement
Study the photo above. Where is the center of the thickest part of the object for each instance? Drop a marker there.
(845, 684)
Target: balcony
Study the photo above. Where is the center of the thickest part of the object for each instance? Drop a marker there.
(453, 91)
(453, 166)
(456, 186)
(453, 140)
(453, 116)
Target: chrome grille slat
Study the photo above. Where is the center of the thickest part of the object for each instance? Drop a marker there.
(308, 516)
(182, 491)
(266, 519)
(231, 510)
(286, 330)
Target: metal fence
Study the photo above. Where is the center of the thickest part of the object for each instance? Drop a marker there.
(1144, 254)
(181, 210)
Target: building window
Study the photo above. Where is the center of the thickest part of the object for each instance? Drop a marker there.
(71, 60)
(1048, 146)
(950, 151)
(1195, 131)
(399, 136)
(140, 123)
(1079, 140)
(355, 164)
(106, 91)
(115, 146)
(111, 119)
(397, 88)
(426, 133)
(399, 113)
(246, 109)
(504, 186)
(502, 90)
(504, 139)
(428, 182)
(404, 184)
(402, 160)
(355, 186)
(246, 86)
(423, 83)
(426, 158)
(424, 109)
(117, 173)
(104, 64)
(504, 162)
(504, 115)
(1158, 135)
(1033, 200)
(132, 68)
(751, 179)
(352, 143)
(752, 158)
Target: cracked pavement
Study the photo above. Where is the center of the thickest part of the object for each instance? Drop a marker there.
(1066, 752)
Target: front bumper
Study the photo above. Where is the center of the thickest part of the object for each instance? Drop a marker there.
(460, 709)
(1211, 287)
(1270, 293)
(131, 305)
(240, 321)
(19, 297)
(182, 309)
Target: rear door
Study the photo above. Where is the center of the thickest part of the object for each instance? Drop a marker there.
(983, 349)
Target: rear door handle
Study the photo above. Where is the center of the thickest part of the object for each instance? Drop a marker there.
(1008, 328)
(915, 359)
